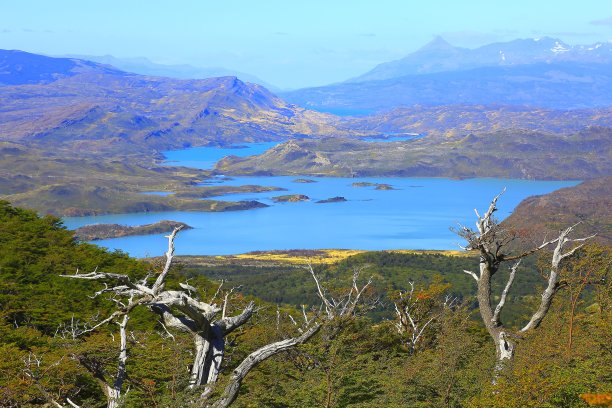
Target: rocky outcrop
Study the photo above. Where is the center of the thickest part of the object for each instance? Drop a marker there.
(290, 198)
(332, 200)
(106, 231)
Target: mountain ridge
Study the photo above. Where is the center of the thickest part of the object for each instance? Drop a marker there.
(144, 66)
(565, 85)
(440, 56)
(508, 153)
(95, 106)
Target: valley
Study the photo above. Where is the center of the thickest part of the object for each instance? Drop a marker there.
(125, 143)
(396, 228)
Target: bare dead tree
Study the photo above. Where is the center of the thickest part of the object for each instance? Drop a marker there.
(339, 308)
(491, 241)
(415, 311)
(252, 360)
(112, 388)
(35, 371)
(179, 309)
(336, 308)
(207, 323)
(347, 303)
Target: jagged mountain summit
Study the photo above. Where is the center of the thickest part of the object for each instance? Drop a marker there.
(440, 56)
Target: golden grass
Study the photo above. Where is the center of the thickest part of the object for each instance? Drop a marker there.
(322, 256)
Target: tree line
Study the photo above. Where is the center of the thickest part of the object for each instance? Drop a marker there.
(82, 327)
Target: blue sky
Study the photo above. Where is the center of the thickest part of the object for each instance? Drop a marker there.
(287, 43)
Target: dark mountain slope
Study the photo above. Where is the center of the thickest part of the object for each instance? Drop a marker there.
(557, 86)
(143, 66)
(19, 68)
(440, 56)
(589, 203)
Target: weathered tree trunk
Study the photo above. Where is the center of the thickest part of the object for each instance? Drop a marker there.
(215, 354)
(491, 240)
(113, 397)
(199, 374)
(209, 350)
(113, 392)
(504, 347)
(231, 391)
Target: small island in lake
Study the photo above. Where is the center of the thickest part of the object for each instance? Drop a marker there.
(106, 231)
(305, 181)
(332, 200)
(379, 186)
(290, 198)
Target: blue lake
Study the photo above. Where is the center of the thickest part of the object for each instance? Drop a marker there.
(416, 215)
(206, 157)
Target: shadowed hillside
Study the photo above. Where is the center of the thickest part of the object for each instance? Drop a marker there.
(589, 203)
(558, 86)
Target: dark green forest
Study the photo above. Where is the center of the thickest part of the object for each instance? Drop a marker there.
(360, 359)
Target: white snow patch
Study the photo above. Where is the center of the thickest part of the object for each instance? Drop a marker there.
(502, 55)
(559, 48)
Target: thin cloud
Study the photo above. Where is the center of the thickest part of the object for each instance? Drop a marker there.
(604, 21)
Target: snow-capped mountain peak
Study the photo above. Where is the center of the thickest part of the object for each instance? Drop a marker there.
(559, 48)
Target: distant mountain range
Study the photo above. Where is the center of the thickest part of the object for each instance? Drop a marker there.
(541, 73)
(144, 66)
(440, 56)
(78, 131)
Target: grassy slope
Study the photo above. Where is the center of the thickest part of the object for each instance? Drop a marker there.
(455, 120)
(111, 111)
(61, 185)
(588, 203)
(504, 154)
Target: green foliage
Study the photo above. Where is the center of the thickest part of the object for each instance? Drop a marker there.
(33, 253)
(355, 362)
(292, 285)
(545, 374)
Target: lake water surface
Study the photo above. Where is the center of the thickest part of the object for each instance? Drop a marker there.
(417, 214)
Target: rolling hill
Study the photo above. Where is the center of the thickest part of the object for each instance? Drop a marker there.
(88, 107)
(587, 203)
(502, 154)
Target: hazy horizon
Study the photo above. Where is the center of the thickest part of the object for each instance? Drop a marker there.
(288, 45)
